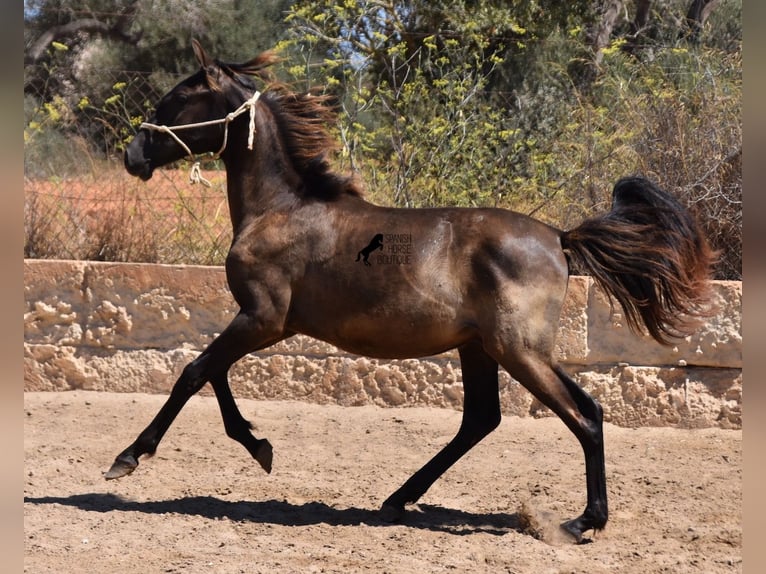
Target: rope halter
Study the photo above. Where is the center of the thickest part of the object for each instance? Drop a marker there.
(196, 174)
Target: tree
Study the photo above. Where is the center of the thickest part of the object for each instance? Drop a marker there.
(696, 16)
(116, 25)
(425, 89)
(611, 22)
(537, 106)
(102, 63)
(152, 35)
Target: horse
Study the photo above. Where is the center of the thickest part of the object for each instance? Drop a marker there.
(488, 282)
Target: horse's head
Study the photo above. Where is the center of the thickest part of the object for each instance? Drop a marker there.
(208, 95)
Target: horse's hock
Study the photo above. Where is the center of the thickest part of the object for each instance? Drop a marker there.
(133, 327)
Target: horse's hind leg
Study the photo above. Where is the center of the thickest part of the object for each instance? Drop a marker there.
(584, 417)
(481, 415)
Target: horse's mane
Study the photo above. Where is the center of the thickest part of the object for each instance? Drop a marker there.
(303, 119)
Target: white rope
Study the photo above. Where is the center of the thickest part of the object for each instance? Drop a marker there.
(196, 174)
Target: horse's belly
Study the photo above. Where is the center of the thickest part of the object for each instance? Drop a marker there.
(392, 338)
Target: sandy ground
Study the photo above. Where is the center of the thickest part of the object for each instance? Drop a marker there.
(202, 505)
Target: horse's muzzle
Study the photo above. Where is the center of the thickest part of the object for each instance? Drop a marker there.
(135, 160)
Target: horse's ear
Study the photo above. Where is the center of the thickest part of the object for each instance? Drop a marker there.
(204, 60)
(212, 71)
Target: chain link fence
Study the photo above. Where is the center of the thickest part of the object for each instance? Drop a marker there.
(80, 203)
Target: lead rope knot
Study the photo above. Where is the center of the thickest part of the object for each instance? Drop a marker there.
(195, 176)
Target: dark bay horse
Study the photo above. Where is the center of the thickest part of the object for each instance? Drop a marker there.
(488, 282)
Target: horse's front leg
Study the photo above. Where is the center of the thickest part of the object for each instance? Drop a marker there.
(191, 380)
(237, 427)
(243, 335)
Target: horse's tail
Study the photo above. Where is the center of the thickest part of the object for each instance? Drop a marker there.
(649, 254)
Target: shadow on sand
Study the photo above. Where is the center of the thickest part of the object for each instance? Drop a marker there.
(284, 513)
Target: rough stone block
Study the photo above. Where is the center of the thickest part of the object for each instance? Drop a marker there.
(54, 306)
(155, 306)
(134, 327)
(718, 343)
(572, 341)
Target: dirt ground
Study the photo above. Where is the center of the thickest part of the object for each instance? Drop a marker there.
(202, 505)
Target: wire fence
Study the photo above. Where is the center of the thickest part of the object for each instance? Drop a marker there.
(80, 203)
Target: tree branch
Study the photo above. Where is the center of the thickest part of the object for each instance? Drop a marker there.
(600, 34)
(118, 30)
(698, 13)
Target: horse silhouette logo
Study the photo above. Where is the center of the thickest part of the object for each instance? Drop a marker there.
(375, 244)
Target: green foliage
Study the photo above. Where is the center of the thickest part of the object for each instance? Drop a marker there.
(390, 63)
(456, 103)
(118, 116)
(60, 132)
(681, 116)
(440, 103)
(50, 148)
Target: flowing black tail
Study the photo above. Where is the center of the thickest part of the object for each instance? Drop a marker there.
(649, 254)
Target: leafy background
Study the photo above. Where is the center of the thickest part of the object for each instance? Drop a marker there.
(535, 106)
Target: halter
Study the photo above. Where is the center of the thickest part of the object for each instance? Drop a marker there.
(196, 175)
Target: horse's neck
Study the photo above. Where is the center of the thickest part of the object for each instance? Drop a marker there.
(258, 180)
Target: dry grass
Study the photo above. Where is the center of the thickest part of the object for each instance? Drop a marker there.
(110, 216)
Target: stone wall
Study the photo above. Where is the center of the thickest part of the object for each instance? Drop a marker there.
(133, 327)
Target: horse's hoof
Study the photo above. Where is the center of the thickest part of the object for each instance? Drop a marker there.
(573, 531)
(570, 532)
(391, 513)
(123, 466)
(265, 455)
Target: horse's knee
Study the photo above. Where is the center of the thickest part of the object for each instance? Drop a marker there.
(193, 376)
